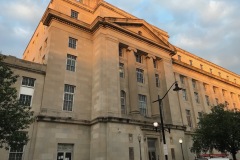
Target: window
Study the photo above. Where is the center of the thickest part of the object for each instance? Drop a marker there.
(173, 154)
(189, 120)
(25, 99)
(201, 66)
(179, 58)
(26, 81)
(120, 52)
(196, 97)
(190, 62)
(194, 83)
(15, 154)
(217, 101)
(68, 97)
(155, 63)
(215, 90)
(71, 62)
(223, 92)
(157, 80)
(205, 86)
(184, 92)
(138, 58)
(182, 79)
(207, 100)
(228, 78)
(140, 75)
(131, 153)
(123, 102)
(74, 14)
(72, 43)
(210, 70)
(142, 104)
(200, 115)
(64, 152)
(121, 70)
(219, 74)
(226, 103)
(130, 138)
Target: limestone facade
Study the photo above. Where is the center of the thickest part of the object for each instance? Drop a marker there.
(100, 70)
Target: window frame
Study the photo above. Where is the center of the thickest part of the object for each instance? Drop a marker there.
(207, 100)
(189, 118)
(184, 93)
(123, 102)
(24, 100)
(74, 14)
(140, 75)
(142, 104)
(157, 78)
(28, 82)
(68, 97)
(72, 59)
(138, 58)
(15, 152)
(121, 70)
(196, 96)
(72, 42)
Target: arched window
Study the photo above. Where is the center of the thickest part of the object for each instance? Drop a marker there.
(123, 102)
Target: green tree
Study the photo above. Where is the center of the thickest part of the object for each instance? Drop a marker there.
(14, 117)
(218, 130)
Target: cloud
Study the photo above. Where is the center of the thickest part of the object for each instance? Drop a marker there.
(207, 28)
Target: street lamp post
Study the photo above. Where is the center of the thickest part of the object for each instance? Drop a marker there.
(159, 100)
(180, 141)
(139, 140)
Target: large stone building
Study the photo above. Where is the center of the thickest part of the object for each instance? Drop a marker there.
(96, 71)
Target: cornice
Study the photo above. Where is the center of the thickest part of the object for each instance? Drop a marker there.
(96, 24)
(206, 62)
(187, 66)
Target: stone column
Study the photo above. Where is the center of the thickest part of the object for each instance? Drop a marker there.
(153, 91)
(132, 81)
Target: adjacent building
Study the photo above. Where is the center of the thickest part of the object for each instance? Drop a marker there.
(94, 71)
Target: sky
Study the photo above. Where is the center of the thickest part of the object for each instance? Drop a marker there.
(209, 29)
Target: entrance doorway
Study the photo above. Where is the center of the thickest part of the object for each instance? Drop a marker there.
(152, 151)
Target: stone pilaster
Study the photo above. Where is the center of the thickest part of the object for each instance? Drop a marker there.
(153, 91)
(132, 81)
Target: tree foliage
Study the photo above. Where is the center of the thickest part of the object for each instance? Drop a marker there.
(14, 117)
(218, 130)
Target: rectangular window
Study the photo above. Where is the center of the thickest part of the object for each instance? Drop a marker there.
(207, 100)
(155, 64)
(189, 119)
(196, 97)
(190, 62)
(223, 92)
(210, 70)
(68, 97)
(120, 52)
(201, 66)
(15, 154)
(184, 92)
(157, 80)
(74, 14)
(121, 70)
(123, 102)
(26, 81)
(200, 114)
(140, 74)
(194, 83)
(131, 153)
(138, 58)
(142, 99)
(65, 152)
(182, 79)
(179, 58)
(71, 62)
(25, 99)
(173, 154)
(216, 101)
(72, 43)
(215, 90)
(205, 86)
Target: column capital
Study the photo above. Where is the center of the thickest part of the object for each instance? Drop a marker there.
(132, 49)
(151, 56)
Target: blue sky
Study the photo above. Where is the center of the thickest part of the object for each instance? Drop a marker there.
(209, 29)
